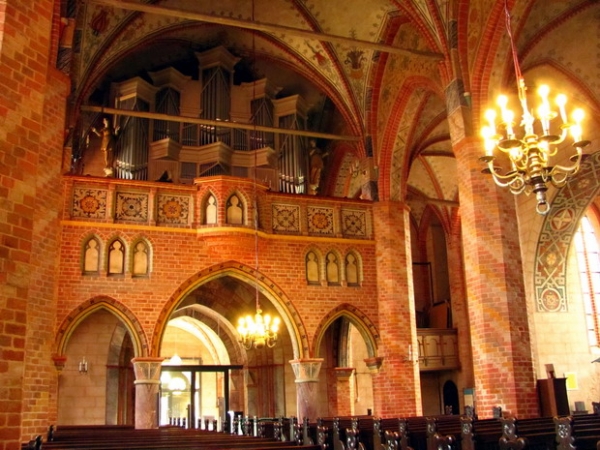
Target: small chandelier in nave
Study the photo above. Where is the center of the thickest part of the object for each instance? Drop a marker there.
(529, 154)
(258, 331)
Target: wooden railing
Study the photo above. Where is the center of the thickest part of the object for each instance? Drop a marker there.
(438, 349)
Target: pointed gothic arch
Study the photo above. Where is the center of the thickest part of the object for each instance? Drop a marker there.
(116, 308)
(356, 317)
(287, 312)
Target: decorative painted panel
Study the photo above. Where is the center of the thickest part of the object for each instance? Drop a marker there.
(131, 207)
(354, 223)
(89, 203)
(286, 218)
(558, 230)
(320, 220)
(173, 209)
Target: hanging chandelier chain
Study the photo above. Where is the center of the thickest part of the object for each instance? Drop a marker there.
(258, 331)
(513, 47)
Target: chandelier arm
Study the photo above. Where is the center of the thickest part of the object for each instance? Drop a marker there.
(564, 131)
(505, 180)
(522, 163)
(516, 189)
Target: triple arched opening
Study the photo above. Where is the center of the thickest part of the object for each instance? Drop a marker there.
(197, 325)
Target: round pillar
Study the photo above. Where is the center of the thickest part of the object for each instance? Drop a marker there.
(306, 372)
(147, 382)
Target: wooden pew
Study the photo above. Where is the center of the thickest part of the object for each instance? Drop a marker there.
(585, 430)
(99, 438)
(437, 440)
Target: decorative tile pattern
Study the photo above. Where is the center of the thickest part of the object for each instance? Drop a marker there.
(132, 207)
(320, 220)
(286, 218)
(173, 209)
(557, 234)
(89, 203)
(354, 223)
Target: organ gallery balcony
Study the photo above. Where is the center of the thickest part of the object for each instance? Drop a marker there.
(438, 349)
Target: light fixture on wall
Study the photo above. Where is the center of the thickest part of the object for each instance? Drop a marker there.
(529, 154)
(83, 365)
(257, 331)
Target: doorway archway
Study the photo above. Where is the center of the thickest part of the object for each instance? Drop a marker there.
(450, 398)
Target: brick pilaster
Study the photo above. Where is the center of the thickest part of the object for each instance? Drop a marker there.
(32, 108)
(460, 313)
(345, 395)
(396, 387)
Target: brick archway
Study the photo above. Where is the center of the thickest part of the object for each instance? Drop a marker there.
(246, 274)
(359, 319)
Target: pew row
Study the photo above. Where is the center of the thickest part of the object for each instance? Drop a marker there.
(447, 432)
(454, 432)
(167, 438)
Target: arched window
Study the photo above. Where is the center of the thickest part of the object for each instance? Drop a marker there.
(313, 272)
(352, 269)
(332, 269)
(116, 258)
(91, 257)
(210, 212)
(235, 210)
(588, 257)
(140, 266)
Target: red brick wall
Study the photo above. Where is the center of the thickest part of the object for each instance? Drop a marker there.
(180, 254)
(31, 100)
(39, 381)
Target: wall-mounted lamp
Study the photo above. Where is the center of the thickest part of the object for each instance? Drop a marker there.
(414, 359)
(83, 366)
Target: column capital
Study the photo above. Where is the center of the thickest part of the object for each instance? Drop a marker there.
(306, 369)
(147, 370)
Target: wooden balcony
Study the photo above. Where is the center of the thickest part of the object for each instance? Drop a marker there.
(438, 349)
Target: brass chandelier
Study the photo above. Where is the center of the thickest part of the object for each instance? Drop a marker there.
(529, 154)
(258, 331)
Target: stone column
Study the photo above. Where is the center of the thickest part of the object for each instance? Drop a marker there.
(307, 377)
(497, 307)
(147, 382)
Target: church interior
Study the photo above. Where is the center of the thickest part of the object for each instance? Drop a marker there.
(304, 208)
